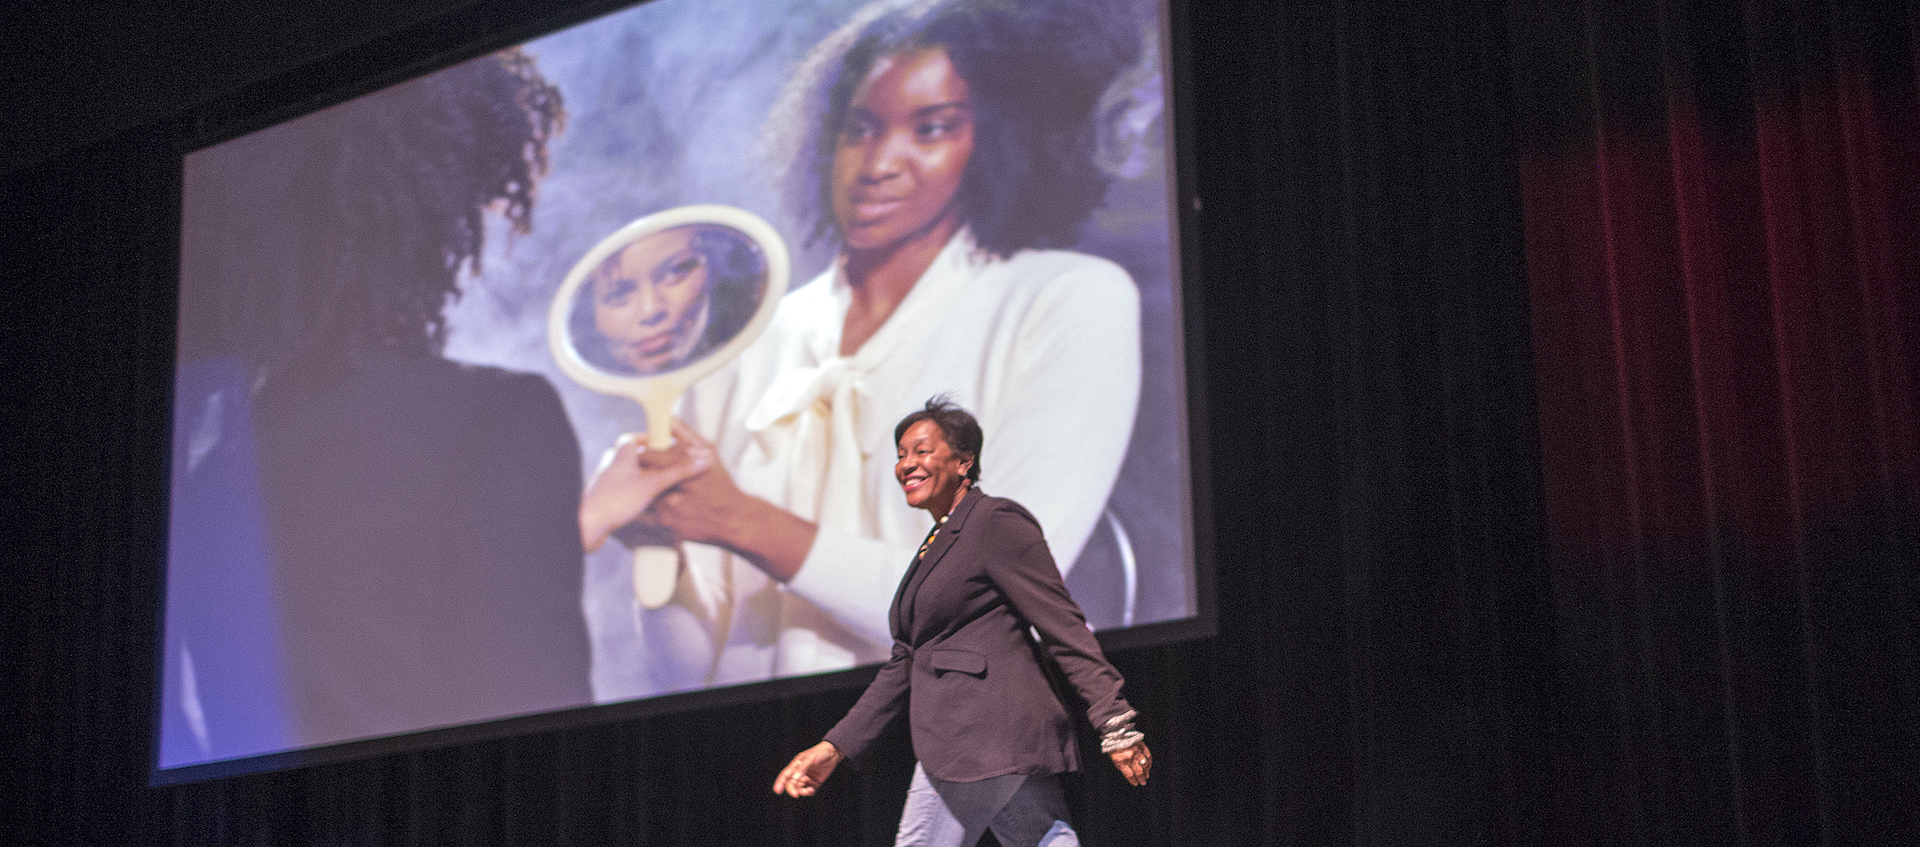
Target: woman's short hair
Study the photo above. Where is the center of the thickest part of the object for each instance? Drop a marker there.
(1036, 70)
(958, 427)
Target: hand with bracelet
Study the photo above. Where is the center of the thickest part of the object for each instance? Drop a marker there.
(1127, 747)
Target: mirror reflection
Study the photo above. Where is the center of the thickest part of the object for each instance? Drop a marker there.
(668, 299)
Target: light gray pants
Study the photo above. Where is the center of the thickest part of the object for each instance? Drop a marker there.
(1022, 811)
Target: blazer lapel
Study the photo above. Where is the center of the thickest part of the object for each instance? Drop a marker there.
(903, 599)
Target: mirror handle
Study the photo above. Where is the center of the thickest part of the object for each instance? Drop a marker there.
(657, 406)
(656, 570)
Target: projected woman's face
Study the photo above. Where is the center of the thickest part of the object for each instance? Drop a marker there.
(646, 300)
(900, 155)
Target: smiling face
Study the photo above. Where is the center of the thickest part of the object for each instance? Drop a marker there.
(901, 153)
(647, 300)
(930, 472)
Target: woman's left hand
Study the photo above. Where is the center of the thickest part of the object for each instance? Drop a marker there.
(1134, 763)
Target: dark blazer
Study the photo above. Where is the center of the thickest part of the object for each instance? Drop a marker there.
(964, 667)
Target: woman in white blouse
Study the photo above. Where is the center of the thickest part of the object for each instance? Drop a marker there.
(952, 143)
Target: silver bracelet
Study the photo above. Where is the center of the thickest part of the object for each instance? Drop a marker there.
(1117, 733)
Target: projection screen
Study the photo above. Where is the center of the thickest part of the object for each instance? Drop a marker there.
(382, 432)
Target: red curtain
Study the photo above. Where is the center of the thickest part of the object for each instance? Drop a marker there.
(1722, 214)
(1725, 326)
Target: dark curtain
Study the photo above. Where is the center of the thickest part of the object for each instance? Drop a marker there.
(1722, 207)
(1383, 671)
(85, 342)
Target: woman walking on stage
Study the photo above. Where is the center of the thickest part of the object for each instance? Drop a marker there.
(990, 734)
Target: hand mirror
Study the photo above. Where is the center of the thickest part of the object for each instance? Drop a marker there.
(652, 308)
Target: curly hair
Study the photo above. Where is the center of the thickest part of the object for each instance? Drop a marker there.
(347, 230)
(1036, 71)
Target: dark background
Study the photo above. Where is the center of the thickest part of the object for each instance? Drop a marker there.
(1558, 374)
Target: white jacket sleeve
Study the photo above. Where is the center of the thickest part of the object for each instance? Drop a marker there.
(1058, 420)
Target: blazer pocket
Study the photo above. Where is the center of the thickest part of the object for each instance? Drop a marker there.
(964, 661)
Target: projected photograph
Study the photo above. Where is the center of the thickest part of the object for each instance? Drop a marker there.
(568, 375)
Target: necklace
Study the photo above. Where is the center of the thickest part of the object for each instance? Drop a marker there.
(938, 523)
(930, 534)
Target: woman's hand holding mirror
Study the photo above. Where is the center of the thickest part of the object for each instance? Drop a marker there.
(647, 312)
(631, 479)
(711, 509)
